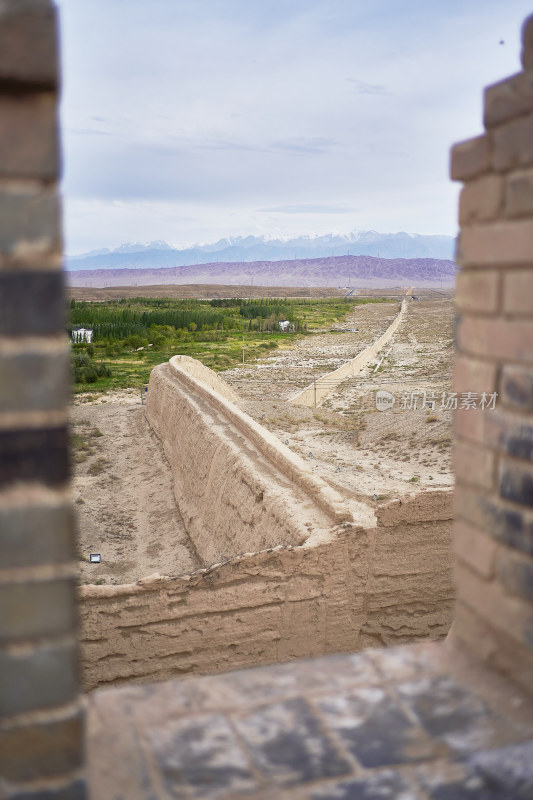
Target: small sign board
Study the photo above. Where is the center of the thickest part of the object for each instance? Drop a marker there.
(95, 558)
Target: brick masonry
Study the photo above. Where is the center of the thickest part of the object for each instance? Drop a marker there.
(494, 449)
(42, 721)
(413, 722)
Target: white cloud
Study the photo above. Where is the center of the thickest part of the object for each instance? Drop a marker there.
(184, 118)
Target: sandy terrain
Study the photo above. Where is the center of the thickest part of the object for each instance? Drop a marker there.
(365, 452)
(123, 495)
(122, 484)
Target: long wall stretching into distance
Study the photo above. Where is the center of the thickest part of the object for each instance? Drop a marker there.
(239, 489)
(290, 570)
(313, 395)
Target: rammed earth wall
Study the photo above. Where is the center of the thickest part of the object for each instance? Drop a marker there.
(296, 575)
(353, 589)
(313, 395)
(239, 489)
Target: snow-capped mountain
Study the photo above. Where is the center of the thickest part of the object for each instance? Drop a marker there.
(258, 248)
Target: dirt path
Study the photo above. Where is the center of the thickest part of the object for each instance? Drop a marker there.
(289, 369)
(123, 494)
(366, 454)
(313, 396)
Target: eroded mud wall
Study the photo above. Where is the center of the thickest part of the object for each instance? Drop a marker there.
(313, 395)
(354, 588)
(409, 594)
(239, 489)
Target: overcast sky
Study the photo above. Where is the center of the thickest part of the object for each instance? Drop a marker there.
(190, 120)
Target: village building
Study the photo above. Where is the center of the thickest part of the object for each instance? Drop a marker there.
(80, 334)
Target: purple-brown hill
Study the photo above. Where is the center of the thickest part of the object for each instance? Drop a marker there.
(353, 271)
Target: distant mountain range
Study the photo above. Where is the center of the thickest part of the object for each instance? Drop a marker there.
(240, 250)
(333, 271)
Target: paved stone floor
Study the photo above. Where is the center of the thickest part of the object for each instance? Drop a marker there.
(419, 722)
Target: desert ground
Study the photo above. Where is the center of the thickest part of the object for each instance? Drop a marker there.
(123, 494)
(360, 450)
(122, 485)
(208, 291)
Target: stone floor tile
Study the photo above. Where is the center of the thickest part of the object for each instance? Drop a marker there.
(199, 757)
(146, 702)
(396, 664)
(117, 765)
(383, 724)
(501, 774)
(452, 713)
(471, 788)
(441, 776)
(375, 730)
(75, 791)
(287, 744)
(249, 687)
(508, 769)
(382, 785)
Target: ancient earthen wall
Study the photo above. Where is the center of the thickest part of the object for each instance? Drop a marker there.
(207, 377)
(313, 395)
(239, 489)
(494, 449)
(347, 590)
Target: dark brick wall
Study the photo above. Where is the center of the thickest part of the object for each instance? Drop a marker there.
(494, 448)
(41, 718)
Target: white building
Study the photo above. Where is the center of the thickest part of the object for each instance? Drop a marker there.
(80, 334)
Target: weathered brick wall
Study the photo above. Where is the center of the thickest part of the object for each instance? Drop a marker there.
(494, 448)
(41, 726)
